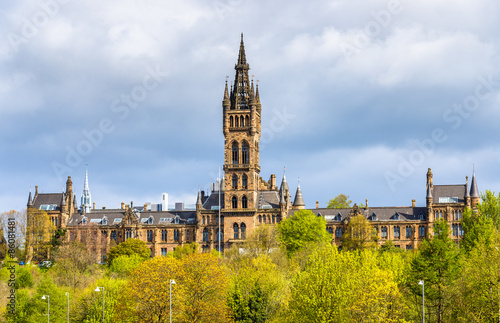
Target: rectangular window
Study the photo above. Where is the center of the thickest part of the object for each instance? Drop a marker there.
(396, 232)
(150, 235)
(164, 252)
(408, 232)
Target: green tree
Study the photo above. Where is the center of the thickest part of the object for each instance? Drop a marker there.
(300, 229)
(187, 249)
(258, 289)
(438, 264)
(123, 266)
(341, 201)
(477, 296)
(359, 235)
(128, 248)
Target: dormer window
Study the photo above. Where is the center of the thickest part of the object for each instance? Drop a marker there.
(396, 216)
(104, 221)
(374, 217)
(150, 220)
(84, 221)
(339, 217)
(176, 219)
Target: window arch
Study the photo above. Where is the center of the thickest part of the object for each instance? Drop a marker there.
(205, 235)
(244, 202)
(243, 229)
(235, 153)
(235, 181)
(242, 121)
(244, 181)
(231, 121)
(247, 121)
(244, 153)
(236, 230)
(234, 202)
(203, 220)
(236, 119)
(260, 218)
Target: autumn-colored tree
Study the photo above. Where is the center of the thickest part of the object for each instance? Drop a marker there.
(341, 201)
(198, 295)
(38, 234)
(359, 235)
(128, 248)
(301, 229)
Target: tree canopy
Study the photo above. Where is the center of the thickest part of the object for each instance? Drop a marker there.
(302, 228)
(341, 201)
(128, 248)
(360, 234)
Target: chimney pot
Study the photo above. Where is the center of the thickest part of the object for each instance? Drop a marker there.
(317, 204)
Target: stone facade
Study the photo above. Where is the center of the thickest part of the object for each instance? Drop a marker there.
(243, 200)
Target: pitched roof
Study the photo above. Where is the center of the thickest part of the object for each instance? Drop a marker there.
(457, 191)
(268, 200)
(47, 198)
(396, 213)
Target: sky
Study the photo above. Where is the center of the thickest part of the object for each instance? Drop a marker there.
(358, 97)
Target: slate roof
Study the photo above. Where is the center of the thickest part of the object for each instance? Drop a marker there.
(157, 217)
(47, 198)
(449, 191)
(372, 213)
(213, 200)
(268, 200)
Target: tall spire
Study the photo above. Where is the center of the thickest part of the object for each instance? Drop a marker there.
(240, 93)
(86, 198)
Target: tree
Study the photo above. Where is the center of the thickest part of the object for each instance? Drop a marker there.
(38, 233)
(257, 290)
(198, 295)
(187, 249)
(302, 228)
(477, 296)
(438, 264)
(360, 234)
(123, 266)
(74, 265)
(481, 224)
(341, 201)
(129, 247)
(344, 287)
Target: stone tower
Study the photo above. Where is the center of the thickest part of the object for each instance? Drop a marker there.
(242, 129)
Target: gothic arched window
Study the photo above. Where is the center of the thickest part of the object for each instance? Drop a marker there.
(244, 181)
(243, 229)
(236, 230)
(244, 202)
(242, 121)
(234, 202)
(205, 235)
(236, 119)
(247, 121)
(235, 181)
(244, 153)
(235, 153)
(231, 121)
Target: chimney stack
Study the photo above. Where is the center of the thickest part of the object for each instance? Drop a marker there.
(94, 205)
(413, 203)
(317, 204)
(123, 205)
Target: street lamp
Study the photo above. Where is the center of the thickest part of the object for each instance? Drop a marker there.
(98, 289)
(67, 313)
(423, 300)
(171, 282)
(48, 307)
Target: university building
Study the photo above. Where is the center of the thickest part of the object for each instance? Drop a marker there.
(242, 200)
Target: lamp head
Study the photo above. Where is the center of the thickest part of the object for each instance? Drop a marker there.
(43, 297)
(421, 282)
(172, 281)
(97, 289)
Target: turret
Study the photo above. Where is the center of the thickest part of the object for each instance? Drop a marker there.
(30, 201)
(429, 178)
(428, 200)
(199, 202)
(474, 192)
(298, 203)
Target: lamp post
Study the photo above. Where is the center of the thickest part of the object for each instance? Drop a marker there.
(423, 300)
(98, 289)
(67, 313)
(47, 297)
(171, 282)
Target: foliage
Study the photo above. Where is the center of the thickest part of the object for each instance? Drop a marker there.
(128, 248)
(341, 201)
(187, 249)
(123, 266)
(38, 234)
(24, 278)
(344, 287)
(359, 235)
(57, 238)
(438, 264)
(300, 229)
(258, 289)
(74, 265)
